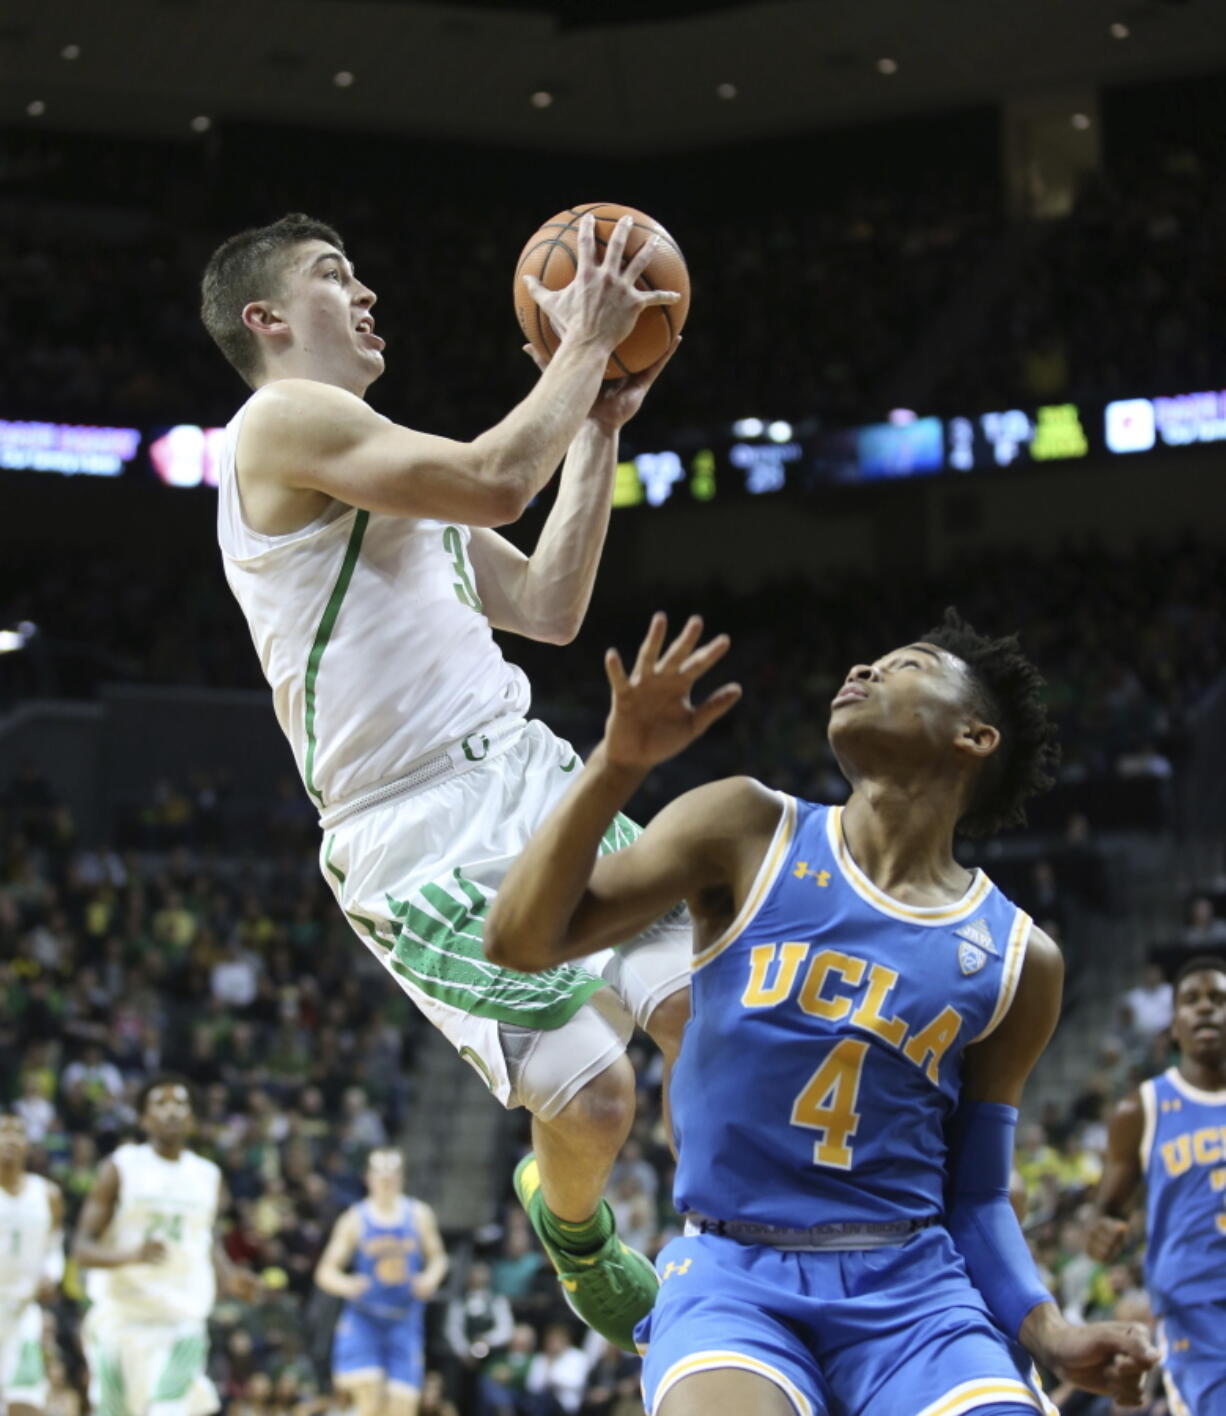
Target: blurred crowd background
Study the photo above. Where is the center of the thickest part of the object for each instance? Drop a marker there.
(187, 928)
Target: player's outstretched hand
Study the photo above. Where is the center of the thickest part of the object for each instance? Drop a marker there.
(653, 717)
(601, 302)
(1108, 1358)
(1106, 1238)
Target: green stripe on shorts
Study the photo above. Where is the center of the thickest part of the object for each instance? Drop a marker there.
(183, 1366)
(30, 1368)
(438, 949)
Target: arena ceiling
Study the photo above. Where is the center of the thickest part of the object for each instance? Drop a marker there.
(636, 76)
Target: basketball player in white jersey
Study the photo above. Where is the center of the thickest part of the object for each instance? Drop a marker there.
(147, 1237)
(31, 1267)
(364, 557)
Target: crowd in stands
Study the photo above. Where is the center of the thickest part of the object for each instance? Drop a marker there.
(1128, 642)
(804, 307)
(1124, 297)
(99, 322)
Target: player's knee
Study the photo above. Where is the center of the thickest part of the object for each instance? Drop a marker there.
(602, 1111)
(726, 1392)
(668, 1021)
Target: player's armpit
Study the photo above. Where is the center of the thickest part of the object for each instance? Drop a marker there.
(299, 435)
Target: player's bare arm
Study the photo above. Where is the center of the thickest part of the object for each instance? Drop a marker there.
(338, 1254)
(545, 595)
(1110, 1358)
(88, 1248)
(427, 1283)
(53, 1268)
(231, 1278)
(1121, 1179)
(559, 901)
(304, 442)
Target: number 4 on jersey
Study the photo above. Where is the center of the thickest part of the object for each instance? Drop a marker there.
(828, 1104)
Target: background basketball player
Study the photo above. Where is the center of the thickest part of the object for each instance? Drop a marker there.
(854, 988)
(147, 1237)
(31, 1267)
(1170, 1134)
(363, 555)
(398, 1261)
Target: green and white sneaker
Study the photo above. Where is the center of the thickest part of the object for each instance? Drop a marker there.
(611, 1289)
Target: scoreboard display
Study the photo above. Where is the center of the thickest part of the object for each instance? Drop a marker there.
(751, 458)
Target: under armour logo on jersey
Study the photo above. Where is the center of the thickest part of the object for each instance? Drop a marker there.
(970, 959)
(802, 870)
(671, 1268)
(977, 932)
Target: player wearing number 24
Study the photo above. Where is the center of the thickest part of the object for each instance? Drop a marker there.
(865, 1012)
(1171, 1134)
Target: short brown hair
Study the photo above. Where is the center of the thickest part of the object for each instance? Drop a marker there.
(249, 267)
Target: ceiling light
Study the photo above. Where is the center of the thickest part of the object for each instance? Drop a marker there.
(726, 91)
(343, 79)
(36, 108)
(1080, 121)
(70, 51)
(887, 66)
(201, 123)
(1118, 30)
(542, 98)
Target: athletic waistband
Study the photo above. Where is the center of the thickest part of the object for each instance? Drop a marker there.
(449, 761)
(841, 1235)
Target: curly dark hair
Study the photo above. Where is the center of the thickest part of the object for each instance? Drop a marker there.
(1202, 963)
(1008, 695)
(166, 1079)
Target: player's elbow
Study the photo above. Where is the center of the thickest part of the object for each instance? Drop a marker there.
(506, 502)
(512, 948)
(559, 630)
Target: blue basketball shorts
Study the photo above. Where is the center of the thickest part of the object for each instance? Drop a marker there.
(370, 1348)
(1193, 1345)
(896, 1331)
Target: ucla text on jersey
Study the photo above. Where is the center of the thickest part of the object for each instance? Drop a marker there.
(822, 1059)
(1183, 1159)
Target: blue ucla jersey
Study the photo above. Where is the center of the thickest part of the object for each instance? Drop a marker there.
(1183, 1159)
(822, 1058)
(389, 1255)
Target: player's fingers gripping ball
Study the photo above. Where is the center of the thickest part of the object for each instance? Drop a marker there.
(552, 256)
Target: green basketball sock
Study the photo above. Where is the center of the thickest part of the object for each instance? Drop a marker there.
(582, 1238)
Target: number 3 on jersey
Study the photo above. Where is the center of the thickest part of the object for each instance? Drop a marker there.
(466, 591)
(828, 1104)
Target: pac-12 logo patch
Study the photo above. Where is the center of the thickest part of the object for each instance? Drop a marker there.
(977, 932)
(970, 958)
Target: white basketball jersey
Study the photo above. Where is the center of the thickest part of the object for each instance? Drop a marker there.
(25, 1228)
(174, 1201)
(371, 634)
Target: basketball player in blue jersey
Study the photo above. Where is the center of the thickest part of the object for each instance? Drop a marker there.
(398, 1262)
(1171, 1135)
(864, 1014)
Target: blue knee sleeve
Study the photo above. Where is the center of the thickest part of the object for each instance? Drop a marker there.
(981, 1219)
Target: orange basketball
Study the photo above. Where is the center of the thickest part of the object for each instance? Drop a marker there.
(552, 255)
